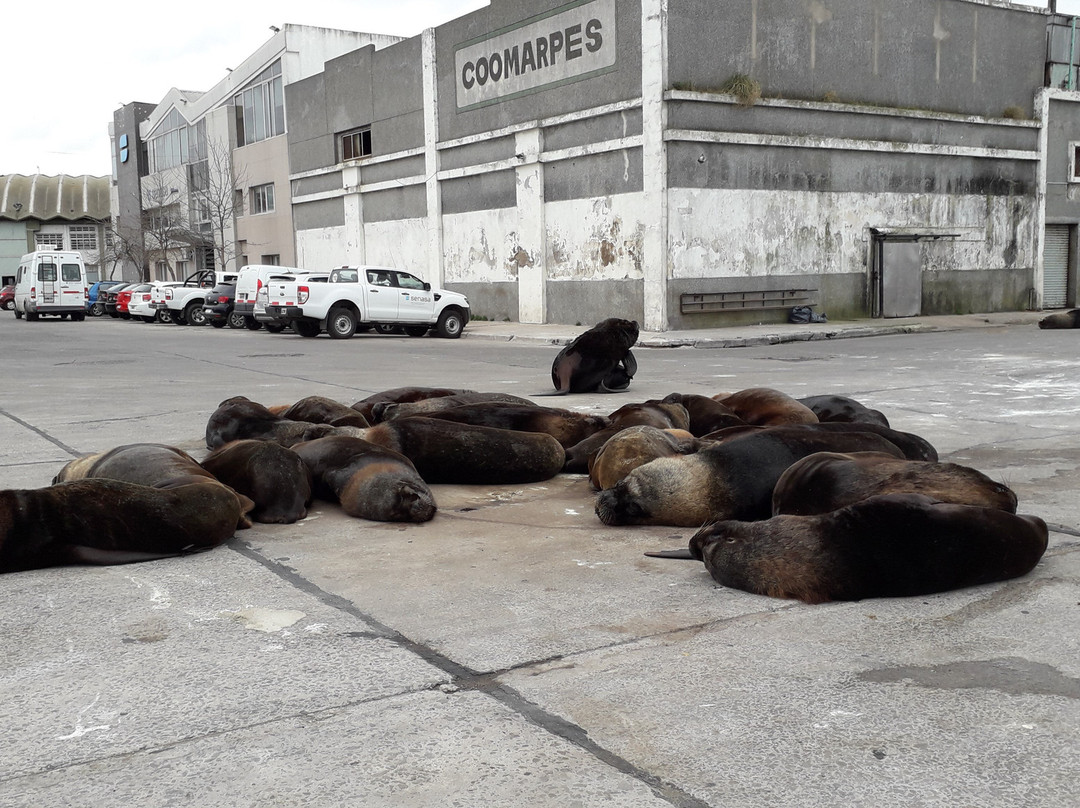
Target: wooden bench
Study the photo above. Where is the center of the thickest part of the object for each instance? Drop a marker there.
(746, 301)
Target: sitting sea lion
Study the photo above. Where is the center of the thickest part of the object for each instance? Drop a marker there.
(826, 481)
(370, 482)
(274, 477)
(886, 546)
(597, 361)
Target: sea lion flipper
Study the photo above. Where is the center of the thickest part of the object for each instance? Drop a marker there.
(683, 554)
(83, 554)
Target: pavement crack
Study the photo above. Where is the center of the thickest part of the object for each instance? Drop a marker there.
(42, 433)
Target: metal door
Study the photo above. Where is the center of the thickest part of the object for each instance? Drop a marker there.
(901, 278)
(47, 280)
(1056, 267)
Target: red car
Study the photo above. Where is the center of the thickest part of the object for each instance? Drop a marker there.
(7, 297)
(124, 297)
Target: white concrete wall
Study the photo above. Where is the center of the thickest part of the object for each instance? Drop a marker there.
(480, 247)
(402, 244)
(321, 248)
(596, 239)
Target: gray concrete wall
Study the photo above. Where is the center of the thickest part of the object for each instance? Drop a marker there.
(588, 302)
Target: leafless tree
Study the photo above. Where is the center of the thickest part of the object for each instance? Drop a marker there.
(214, 184)
(166, 222)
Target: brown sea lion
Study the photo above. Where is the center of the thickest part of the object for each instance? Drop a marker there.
(370, 482)
(706, 414)
(893, 545)
(274, 477)
(1061, 319)
(566, 426)
(402, 395)
(597, 361)
(826, 481)
(449, 452)
(103, 521)
(635, 446)
(238, 418)
(389, 411)
(913, 446)
(154, 465)
(582, 453)
(322, 410)
(660, 414)
(729, 480)
(842, 408)
(764, 406)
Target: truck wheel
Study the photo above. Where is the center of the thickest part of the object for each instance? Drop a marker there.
(237, 320)
(163, 316)
(177, 317)
(194, 314)
(416, 330)
(450, 324)
(251, 324)
(341, 323)
(306, 328)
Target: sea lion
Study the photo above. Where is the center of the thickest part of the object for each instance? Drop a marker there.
(154, 465)
(729, 480)
(370, 482)
(826, 481)
(322, 410)
(402, 395)
(449, 452)
(103, 521)
(566, 426)
(274, 477)
(1061, 319)
(893, 545)
(635, 446)
(238, 418)
(706, 414)
(764, 406)
(581, 454)
(842, 408)
(597, 361)
(913, 446)
(660, 414)
(389, 411)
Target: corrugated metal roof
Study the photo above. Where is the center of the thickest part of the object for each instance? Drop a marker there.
(40, 196)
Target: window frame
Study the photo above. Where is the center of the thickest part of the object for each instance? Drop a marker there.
(354, 144)
(263, 199)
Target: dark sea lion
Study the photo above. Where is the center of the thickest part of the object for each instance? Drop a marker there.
(894, 545)
(322, 410)
(729, 480)
(764, 406)
(402, 395)
(842, 408)
(1061, 319)
(154, 465)
(449, 452)
(597, 361)
(706, 414)
(389, 411)
(635, 446)
(913, 446)
(582, 453)
(660, 414)
(239, 418)
(274, 477)
(103, 521)
(826, 481)
(370, 482)
(566, 426)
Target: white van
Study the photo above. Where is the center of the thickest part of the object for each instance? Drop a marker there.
(251, 279)
(51, 282)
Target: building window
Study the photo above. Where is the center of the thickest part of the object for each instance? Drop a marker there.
(1074, 161)
(175, 143)
(260, 108)
(270, 260)
(238, 202)
(356, 144)
(83, 237)
(49, 241)
(262, 198)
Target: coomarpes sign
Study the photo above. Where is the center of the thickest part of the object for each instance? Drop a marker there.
(567, 44)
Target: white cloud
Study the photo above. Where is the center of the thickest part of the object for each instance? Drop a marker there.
(70, 65)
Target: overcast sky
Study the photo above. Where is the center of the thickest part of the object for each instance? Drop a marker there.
(69, 65)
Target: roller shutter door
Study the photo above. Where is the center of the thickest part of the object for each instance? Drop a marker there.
(1056, 266)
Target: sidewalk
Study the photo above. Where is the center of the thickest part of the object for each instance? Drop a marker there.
(751, 335)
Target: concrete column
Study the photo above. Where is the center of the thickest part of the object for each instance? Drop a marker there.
(530, 250)
(436, 272)
(654, 16)
(1042, 112)
(355, 243)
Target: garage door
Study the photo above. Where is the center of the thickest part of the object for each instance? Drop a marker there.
(1056, 266)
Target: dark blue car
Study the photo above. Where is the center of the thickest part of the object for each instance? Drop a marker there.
(95, 307)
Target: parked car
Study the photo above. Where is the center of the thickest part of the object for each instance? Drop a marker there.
(147, 304)
(140, 305)
(95, 302)
(111, 296)
(220, 307)
(7, 297)
(123, 300)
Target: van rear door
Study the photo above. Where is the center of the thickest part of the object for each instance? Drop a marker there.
(47, 281)
(72, 284)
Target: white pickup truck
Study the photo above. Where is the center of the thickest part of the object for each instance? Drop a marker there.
(184, 303)
(354, 298)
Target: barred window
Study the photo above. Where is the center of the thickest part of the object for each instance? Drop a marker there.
(262, 198)
(355, 144)
(83, 237)
(54, 241)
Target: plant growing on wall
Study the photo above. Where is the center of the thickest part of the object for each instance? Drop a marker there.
(746, 89)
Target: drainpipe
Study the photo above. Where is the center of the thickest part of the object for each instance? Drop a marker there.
(1072, 50)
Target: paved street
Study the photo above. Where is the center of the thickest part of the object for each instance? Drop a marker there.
(515, 650)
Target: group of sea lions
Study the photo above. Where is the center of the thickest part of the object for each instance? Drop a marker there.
(817, 498)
